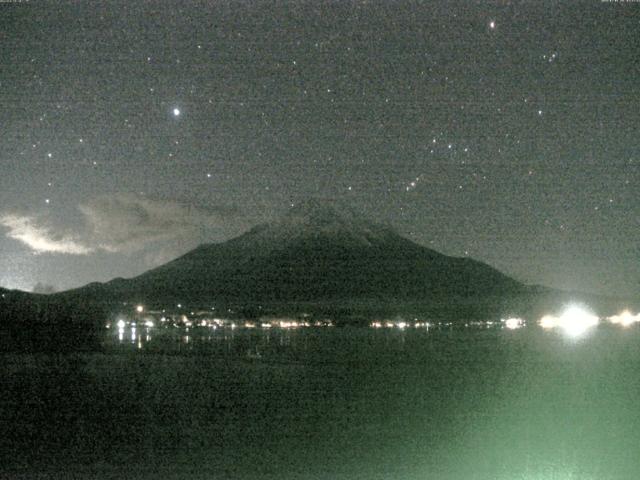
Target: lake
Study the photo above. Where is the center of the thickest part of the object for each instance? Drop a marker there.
(328, 403)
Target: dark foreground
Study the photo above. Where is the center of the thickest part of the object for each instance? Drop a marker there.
(330, 404)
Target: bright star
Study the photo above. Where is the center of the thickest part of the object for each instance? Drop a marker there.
(176, 112)
(492, 25)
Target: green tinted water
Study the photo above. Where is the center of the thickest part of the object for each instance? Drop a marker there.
(330, 404)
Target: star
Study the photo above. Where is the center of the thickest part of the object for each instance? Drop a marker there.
(176, 112)
(492, 25)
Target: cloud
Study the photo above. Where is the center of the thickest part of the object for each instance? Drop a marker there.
(40, 237)
(125, 223)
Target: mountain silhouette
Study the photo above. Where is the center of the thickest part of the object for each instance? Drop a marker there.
(315, 252)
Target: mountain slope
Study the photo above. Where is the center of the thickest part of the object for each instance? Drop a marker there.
(314, 253)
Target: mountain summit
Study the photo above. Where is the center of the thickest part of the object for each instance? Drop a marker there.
(316, 221)
(314, 253)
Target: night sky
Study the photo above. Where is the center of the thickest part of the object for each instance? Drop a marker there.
(506, 131)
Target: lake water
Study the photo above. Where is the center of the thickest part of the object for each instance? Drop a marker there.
(328, 403)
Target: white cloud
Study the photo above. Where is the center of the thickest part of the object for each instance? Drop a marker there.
(123, 223)
(126, 223)
(41, 238)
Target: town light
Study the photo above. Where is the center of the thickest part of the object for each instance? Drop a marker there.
(513, 323)
(575, 321)
(625, 318)
(548, 321)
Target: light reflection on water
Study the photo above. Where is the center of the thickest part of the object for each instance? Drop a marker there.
(450, 403)
(285, 343)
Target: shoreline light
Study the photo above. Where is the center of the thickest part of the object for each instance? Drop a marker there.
(548, 321)
(626, 318)
(513, 323)
(574, 321)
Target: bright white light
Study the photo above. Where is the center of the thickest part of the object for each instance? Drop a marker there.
(139, 309)
(148, 324)
(121, 324)
(625, 319)
(574, 321)
(492, 25)
(513, 323)
(176, 112)
(402, 325)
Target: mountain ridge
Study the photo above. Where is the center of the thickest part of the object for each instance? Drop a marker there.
(315, 252)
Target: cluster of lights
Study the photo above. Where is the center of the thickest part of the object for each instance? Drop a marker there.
(574, 321)
(625, 318)
(215, 323)
(513, 323)
(401, 324)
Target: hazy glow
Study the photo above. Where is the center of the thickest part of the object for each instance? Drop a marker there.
(121, 323)
(574, 321)
(148, 324)
(625, 318)
(139, 309)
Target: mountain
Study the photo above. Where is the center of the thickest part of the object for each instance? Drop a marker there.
(314, 253)
(317, 259)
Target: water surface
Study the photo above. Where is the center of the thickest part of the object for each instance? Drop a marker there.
(328, 403)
